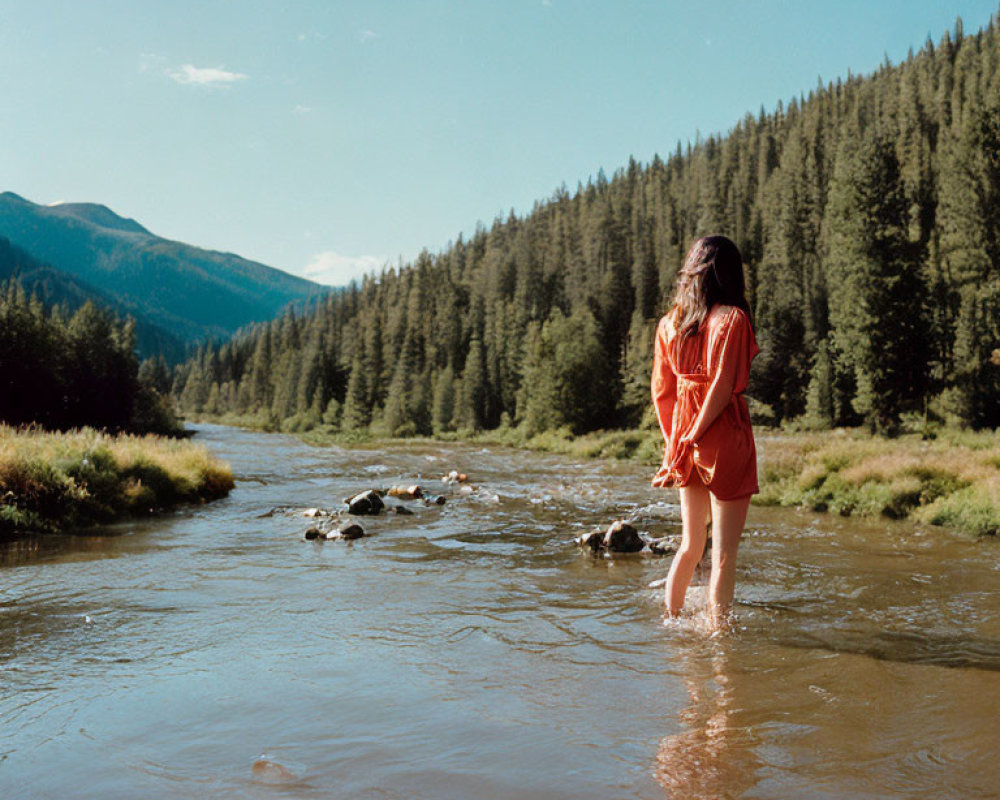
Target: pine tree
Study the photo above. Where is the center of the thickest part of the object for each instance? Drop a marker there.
(874, 283)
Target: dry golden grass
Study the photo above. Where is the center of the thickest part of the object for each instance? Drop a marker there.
(49, 481)
(953, 480)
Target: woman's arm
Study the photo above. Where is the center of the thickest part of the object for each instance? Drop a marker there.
(716, 399)
(664, 384)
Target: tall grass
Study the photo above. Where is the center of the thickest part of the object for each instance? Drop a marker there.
(953, 480)
(53, 481)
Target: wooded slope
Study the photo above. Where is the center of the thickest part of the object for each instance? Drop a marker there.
(868, 214)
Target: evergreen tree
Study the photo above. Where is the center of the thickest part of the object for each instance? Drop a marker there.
(867, 215)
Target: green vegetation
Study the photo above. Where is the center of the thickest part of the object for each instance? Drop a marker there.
(65, 372)
(57, 288)
(179, 293)
(952, 480)
(868, 214)
(58, 481)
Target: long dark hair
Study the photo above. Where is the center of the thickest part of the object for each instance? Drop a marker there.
(712, 274)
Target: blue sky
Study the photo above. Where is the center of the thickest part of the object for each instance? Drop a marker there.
(327, 138)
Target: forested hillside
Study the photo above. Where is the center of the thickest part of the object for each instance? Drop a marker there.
(868, 214)
(57, 288)
(61, 370)
(185, 291)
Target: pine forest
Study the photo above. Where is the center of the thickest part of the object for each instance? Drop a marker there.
(63, 370)
(868, 216)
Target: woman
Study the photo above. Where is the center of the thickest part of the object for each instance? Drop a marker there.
(704, 347)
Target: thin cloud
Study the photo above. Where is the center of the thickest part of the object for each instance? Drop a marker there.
(150, 61)
(206, 76)
(335, 269)
(302, 110)
(367, 35)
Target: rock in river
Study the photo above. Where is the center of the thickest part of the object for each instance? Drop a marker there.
(623, 538)
(352, 531)
(406, 492)
(365, 503)
(593, 540)
(348, 531)
(664, 546)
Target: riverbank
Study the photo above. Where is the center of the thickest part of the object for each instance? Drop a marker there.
(52, 482)
(952, 481)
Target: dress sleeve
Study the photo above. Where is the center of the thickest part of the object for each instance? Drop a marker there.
(664, 382)
(733, 347)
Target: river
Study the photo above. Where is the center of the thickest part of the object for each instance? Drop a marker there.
(470, 651)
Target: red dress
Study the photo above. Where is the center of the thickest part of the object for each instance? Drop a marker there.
(725, 456)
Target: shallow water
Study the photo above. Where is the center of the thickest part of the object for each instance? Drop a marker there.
(469, 651)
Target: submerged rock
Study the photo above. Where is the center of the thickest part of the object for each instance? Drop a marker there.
(366, 503)
(275, 510)
(623, 538)
(435, 500)
(403, 510)
(313, 533)
(664, 546)
(267, 771)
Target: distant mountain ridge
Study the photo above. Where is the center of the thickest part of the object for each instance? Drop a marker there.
(57, 288)
(189, 292)
(96, 214)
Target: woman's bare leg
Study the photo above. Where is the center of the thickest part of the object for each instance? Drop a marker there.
(728, 519)
(695, 509)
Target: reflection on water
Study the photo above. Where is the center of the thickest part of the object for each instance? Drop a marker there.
(714, 756)
(470, 651)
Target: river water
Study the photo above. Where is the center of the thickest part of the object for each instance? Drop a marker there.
(470, 651)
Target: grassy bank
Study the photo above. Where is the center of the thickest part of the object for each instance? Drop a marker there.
(952, 481)
(57, 481)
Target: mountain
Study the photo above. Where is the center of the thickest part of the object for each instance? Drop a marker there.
(54, 287)
(188, 292)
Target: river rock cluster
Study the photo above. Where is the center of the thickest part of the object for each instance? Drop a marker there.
(622, 537)
(335, 523)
